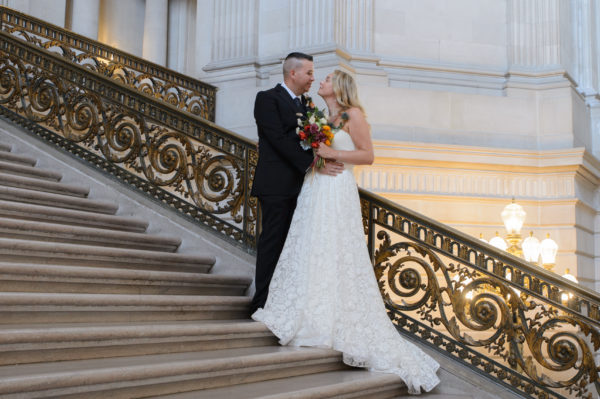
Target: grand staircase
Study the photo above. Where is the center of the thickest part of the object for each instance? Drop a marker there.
(91, 306)
(126, 234)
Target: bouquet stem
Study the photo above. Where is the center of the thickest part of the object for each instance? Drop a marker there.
(318, 162)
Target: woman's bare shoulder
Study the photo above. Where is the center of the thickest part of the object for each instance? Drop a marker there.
(355, 111)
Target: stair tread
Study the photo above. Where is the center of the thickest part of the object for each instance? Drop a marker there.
(82, 234)
(28, 326)
(207, 360)
(71, 216)
(10, 157)
(324, 383)
(5, 147)
(91, 252)
(102, 331)
(20, 169)
(15, 194)
(43, 185)
(75, 272)
(90, 300)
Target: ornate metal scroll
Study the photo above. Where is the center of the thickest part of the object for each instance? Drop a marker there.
(176, 89)
(526, 328)
(182, 161)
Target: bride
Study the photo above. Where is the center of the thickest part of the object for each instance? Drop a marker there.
(324, 292)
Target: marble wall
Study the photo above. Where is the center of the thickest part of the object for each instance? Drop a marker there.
(471, 102)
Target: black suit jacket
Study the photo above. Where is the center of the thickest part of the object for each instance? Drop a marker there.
(282, 163)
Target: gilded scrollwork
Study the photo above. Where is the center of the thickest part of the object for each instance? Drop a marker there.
(207, 176)
(476, 309)
(182, 92)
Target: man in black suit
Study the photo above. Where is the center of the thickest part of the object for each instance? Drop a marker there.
(282, 164)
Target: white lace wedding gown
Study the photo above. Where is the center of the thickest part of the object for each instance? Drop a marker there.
(324, 292)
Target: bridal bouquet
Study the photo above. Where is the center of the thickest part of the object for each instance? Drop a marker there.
(314, 130)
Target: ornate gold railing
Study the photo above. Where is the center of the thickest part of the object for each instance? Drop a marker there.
(181, 160)
(181, 91)
(525, 327)
(483, 307)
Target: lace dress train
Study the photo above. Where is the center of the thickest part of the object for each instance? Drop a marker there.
(324, 292)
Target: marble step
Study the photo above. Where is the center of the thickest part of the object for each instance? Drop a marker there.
(32, 183)
(20, 277)
(15, 158)
(153, 375)
(20, 344)
(25, 251)
(5, 147)
(44, 308)
(28, 171)
(51, 214)
(39, 231)
(341, 384)
(24, 195)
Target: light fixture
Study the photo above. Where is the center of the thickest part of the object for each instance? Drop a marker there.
(531, 248)
(548, 250)
(513, 217)
(566, 296)
(499, 242)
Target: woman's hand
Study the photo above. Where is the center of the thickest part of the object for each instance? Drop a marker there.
(325, 151)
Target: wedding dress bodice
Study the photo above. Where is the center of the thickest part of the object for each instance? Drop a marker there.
(342, 141)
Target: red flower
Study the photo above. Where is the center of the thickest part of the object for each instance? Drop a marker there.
(302, 136)
(314, 145)
(306, 128)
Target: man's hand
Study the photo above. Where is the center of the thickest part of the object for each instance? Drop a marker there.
(331, 168)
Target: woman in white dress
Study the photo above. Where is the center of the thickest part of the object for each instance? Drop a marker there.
(324, 292)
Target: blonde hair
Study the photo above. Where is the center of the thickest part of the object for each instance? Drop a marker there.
(345, 90)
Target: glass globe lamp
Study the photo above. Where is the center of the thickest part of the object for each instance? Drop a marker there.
(531, 248)
(499, 242)
(548, 250)
(566, 296)
(513, 217)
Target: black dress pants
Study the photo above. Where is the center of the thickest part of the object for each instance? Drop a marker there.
(277, 212)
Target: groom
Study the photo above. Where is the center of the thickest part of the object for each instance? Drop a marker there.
(282, 164)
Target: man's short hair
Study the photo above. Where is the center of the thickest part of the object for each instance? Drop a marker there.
(293, 61)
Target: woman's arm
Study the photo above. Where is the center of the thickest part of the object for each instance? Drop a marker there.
(359, 130)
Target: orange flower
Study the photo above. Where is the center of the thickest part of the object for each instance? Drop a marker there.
(326, 129)
(328, 142)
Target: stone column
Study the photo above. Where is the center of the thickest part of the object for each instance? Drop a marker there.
(311, 23)
(203, 39)
(354, 25)
(234, 30)
(534, 34)
(47, 10)
(84, 19)
(586, 59)
(121, 24)
(155, 31)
